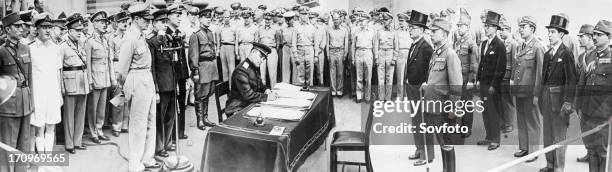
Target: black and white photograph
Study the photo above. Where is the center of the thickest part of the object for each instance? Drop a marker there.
(305, 85)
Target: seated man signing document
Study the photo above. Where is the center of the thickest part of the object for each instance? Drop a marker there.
(246, 85)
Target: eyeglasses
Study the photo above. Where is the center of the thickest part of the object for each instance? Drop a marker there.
(598, 34)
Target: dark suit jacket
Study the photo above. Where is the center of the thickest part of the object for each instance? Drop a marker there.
(247, 87)
(492, 67)
(176, 39)
(417, 65)
(162, 64)
(559, 70)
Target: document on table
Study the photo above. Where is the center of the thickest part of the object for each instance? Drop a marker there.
(277, 131)
(295, 94)
(285, 86)
(291, 114)
(289, 102)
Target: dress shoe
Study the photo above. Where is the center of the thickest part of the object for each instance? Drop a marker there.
(102, 137)
(71, 151)
(421, 162)
(358, 101)
(483, 142)
(82, 147)
(493, 146)
(95, 140)
(190, 104)
(162, 153)
(532, 159)
(414, 156)
(183, 137)
(116, 133)
(546, 169)
(124, 130)
(521, 153)
(585, 158)
(171, 147)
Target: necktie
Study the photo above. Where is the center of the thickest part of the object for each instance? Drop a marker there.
(524, 45)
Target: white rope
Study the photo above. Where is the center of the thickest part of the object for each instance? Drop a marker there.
(547, 149)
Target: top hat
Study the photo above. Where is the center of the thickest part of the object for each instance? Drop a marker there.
(558, 22)
(418, 18)
(492, 18)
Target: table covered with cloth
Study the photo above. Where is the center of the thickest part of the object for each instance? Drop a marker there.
(238, 145)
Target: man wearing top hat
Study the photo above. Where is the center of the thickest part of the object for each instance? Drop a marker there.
(247, 86)
(269, 35)
(102, 76)
(288, 51)
(120, 113)
(203, 62)
(444, 83)
(386, 56)
(595, 96)
(165, 80)
(15, 114)
(136, 80)
(556, 95)
(489, 77)
(177, 42)
(527, 76)
(417, 66)
(76, 84)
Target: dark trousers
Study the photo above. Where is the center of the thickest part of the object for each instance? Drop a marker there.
(595, 143)
(165, 119)
(555, 125)
(17, 133)
(508, 105)
(528, 123)
(182, 95)
(492, 113)
(467, 95)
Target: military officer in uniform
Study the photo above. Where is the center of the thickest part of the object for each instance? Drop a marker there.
(76, 80)
(303, 44)
(136, 80)
(556, 96)
(364, 39)
(417, 68)
(227, 43)
(203, 64)
(120, 113)
(247, 87)
(15, 62)
(177, 42)
(526, 77)
(338, 45)
(320, 47)
(269, 35)
(287, 52)
(404, 43)
(247, 33)
(508, 103)
(489, 77)
(585, 36)
(467, 50)
(165, 79)
(101, 70)
(386, 54)
(595, 95)
(444, 82)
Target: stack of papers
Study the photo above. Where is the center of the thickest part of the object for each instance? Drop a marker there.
(290, 114)
(285, 86)
(289, 102)
(295, 94)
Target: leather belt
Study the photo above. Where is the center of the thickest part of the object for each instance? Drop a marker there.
(227, 43)
(22, 84)
(203, 59)
(75, 68)
(359, 48)
(140, 68)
